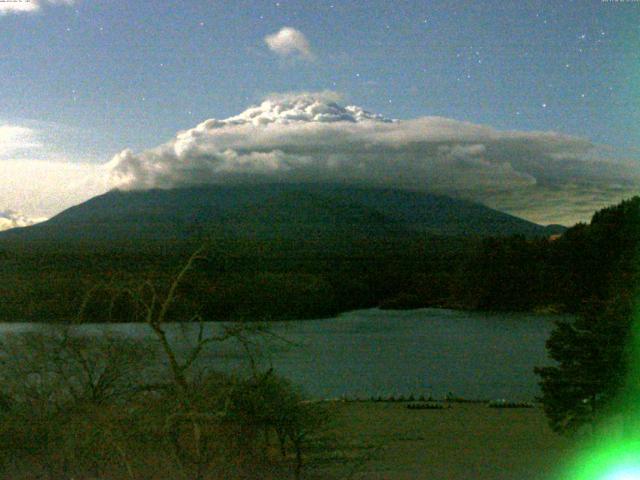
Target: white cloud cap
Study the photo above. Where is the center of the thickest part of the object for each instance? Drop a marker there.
(289, 42)
(311, 138)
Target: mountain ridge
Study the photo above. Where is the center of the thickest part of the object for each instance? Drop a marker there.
(270, 210)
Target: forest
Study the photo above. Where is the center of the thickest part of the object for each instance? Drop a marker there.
(296, 279)
(119, 408)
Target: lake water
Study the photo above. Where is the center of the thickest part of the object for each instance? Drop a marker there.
(373, 352)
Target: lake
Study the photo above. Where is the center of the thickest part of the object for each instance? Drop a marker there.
(373, 352)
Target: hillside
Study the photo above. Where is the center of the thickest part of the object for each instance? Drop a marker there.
(281, 211)
(281, 251)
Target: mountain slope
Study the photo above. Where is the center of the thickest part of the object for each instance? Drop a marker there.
(274, 211)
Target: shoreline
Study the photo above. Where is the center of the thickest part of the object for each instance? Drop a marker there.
(490, 313)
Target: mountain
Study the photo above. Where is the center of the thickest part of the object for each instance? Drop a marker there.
(294, 211)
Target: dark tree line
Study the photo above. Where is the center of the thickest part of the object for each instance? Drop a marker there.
(596, 354)
(306, 278)
(74, 405)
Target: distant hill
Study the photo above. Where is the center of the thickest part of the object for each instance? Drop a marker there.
(270, 211)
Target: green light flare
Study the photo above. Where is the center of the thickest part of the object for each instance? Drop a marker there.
(624, 473)
(617, 457)
(618, 460)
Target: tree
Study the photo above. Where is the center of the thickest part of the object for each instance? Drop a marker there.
(61, 396)
(263, 402)
(591, 354)
(57, 369)
(594, 352)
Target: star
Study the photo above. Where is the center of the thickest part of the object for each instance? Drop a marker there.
(583, 36)
(544, 105)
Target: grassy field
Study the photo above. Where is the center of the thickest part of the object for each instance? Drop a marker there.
(467, 441)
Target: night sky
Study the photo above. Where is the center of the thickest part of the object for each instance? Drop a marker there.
(83, 80)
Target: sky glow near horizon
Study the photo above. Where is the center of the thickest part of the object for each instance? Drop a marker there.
(530, 108)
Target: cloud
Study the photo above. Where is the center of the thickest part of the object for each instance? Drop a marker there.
(29, 6)
(15, 139)
(310, 137)
(289, 42)
(42, 188)
(12, 219)
(36, 174)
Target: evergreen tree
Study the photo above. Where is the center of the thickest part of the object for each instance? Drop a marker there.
(591, 354)
(593, 351)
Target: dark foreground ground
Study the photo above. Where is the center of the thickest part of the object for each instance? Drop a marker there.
(465, 442)
(366, 440)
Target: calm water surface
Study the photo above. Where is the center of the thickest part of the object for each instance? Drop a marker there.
(373, 352)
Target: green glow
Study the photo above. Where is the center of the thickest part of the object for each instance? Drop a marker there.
(619, 460)
(624, 473)
(617, 456)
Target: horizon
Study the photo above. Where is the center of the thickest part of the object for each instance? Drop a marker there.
(525, 108)
(10, 219)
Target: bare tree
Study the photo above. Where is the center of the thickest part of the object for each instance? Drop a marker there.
(95, 402)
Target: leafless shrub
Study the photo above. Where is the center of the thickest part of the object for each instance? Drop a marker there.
(74, 405)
